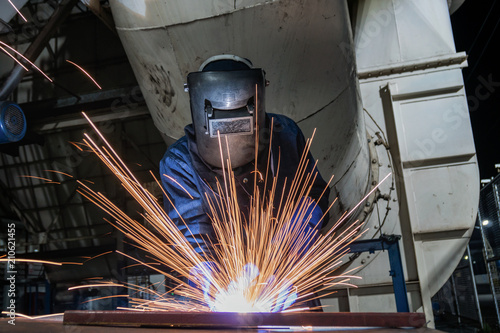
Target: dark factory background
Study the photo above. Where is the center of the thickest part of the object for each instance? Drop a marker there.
(54, 222)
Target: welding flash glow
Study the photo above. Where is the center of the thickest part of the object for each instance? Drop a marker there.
(235, 301)
(235, 297)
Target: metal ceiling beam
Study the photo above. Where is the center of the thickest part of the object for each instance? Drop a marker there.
(34, 50)
(30, 223)
(111, 104)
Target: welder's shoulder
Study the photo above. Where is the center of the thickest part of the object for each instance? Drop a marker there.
(177, 154)
(284, 124)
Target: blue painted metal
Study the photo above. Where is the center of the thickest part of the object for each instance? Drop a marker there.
(391, 244)
(12, 122)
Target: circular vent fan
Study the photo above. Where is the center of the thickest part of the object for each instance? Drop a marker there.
(12, 122)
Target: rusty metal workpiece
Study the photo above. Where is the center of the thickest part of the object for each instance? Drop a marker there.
(243, 320)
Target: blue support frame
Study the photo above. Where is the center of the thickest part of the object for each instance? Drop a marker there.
(391, 244)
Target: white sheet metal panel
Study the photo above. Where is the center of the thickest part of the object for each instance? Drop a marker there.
(406, 55)
(428, 134)
(296, 42)
(393, 31)
(443, 199)
(437, 152)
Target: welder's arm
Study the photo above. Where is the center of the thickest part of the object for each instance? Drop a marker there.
(316, 203)
(307, 218)
(319, 191)
(184, 203)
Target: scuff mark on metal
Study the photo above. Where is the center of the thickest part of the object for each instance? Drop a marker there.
(322, 108)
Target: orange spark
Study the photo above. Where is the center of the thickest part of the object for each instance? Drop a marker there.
(33, 261)
(36, 177)
(85, 72)
(177, 183)
(76, 145)
(27, 60)
(101, 254)
(17, 10)
(96, 285)
(140, 264)
(60, 172)
(15, 59)
(104, 297)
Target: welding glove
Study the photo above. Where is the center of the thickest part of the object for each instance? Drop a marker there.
(250, 272)
(285, 299)
(247, 278)
(201, 276)
(232, 299)
(286, 296)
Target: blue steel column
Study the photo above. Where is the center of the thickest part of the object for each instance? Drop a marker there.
(398, 278)
(391, 244)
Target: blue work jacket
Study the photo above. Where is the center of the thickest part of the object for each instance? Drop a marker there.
(182, 162)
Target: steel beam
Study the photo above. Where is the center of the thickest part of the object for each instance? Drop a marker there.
(215, 320)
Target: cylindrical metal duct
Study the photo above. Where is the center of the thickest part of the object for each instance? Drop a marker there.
(303, 47)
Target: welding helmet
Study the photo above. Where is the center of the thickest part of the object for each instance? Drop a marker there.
(227, 100)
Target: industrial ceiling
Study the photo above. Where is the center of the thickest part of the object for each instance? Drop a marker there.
(38, 188)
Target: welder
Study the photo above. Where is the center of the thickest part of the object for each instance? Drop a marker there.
(227, 99)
